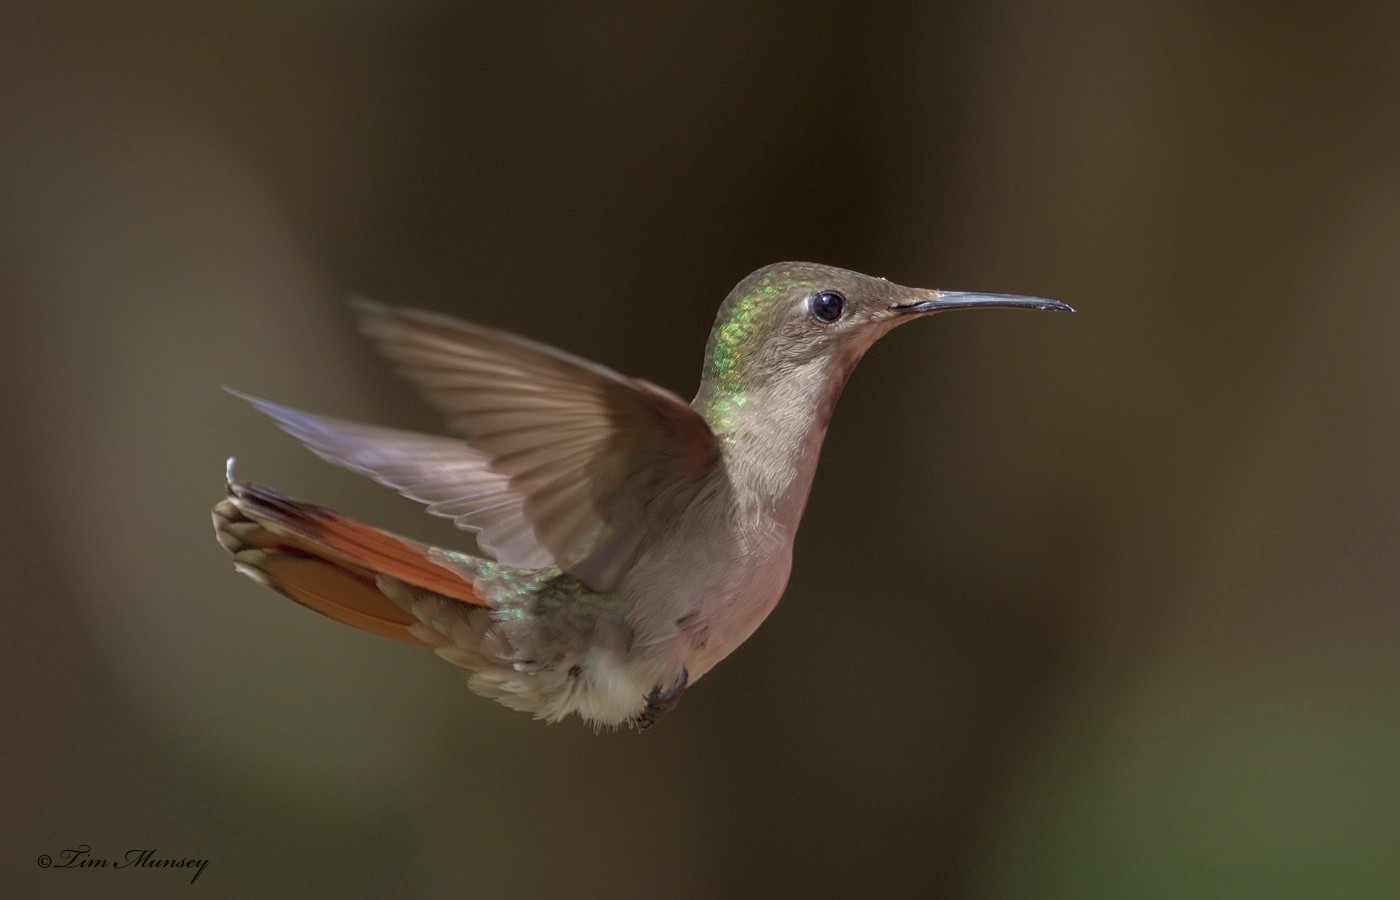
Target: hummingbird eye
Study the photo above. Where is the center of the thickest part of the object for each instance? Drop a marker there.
(827, 306)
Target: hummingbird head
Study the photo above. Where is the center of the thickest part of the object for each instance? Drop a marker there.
(810, 323)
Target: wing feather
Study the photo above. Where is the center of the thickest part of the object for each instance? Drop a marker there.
(563, 458)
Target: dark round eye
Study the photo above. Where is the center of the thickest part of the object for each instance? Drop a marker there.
(827, 306)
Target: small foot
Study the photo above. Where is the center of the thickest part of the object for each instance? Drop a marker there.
(660, 702)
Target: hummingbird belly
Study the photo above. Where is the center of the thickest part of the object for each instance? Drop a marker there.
(732, 579)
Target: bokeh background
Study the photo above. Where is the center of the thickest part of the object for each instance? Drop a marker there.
(1093, 606)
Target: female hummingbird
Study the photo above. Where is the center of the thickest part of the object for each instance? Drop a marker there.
(628, 540)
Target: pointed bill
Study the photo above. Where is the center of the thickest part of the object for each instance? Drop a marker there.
(943, 301)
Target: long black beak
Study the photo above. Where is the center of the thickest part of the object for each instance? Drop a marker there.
(947, 300)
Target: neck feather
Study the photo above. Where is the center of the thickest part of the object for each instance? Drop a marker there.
(771, 433)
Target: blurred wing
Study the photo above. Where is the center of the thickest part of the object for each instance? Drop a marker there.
(447, 474)
(565, 456)
(586, 448)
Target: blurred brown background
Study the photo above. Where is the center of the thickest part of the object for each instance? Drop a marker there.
(1102, 606)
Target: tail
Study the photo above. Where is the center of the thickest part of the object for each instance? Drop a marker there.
(327, 562)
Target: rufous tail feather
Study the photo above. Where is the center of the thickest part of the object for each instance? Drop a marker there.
(328, 562)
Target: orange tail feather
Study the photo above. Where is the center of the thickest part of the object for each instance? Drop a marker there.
(327, 562)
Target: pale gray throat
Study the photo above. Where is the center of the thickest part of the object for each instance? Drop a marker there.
(770, 442)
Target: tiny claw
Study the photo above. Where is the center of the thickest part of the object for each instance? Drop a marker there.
(660, 702)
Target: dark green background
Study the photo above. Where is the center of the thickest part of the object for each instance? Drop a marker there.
(1093, 606)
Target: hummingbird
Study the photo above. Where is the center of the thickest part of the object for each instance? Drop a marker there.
(627, 540)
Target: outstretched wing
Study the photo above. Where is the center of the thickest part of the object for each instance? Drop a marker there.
(446, 474)
(565, 457)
